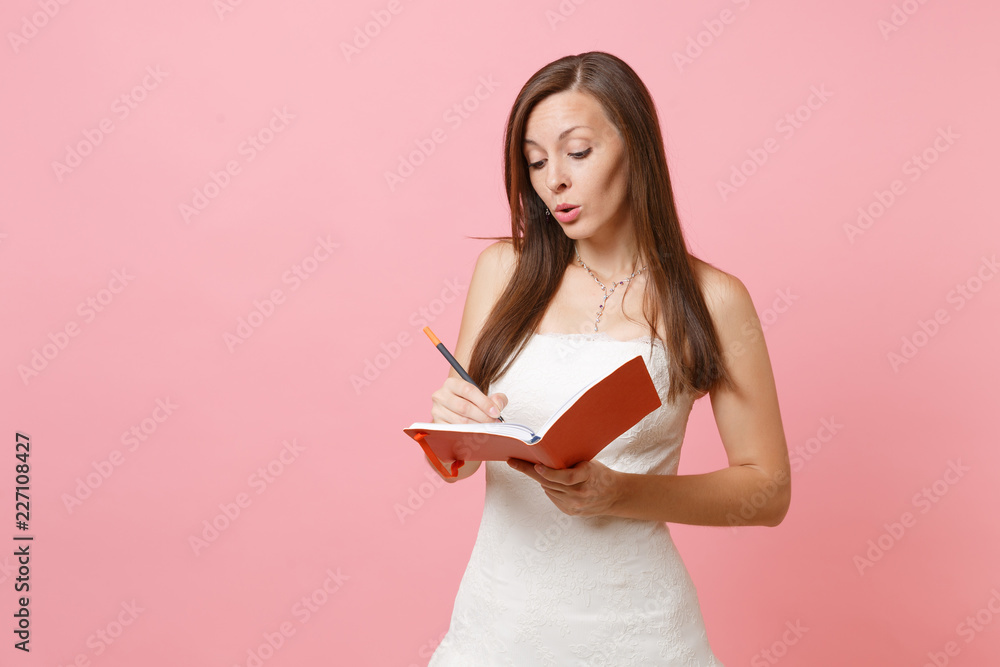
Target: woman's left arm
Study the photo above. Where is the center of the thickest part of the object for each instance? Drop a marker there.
(754, 489)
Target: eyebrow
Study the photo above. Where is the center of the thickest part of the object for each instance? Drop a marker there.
(561, 134)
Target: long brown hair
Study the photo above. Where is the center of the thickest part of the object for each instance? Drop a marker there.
(543, 250)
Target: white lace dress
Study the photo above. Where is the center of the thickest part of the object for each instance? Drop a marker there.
(546, 588)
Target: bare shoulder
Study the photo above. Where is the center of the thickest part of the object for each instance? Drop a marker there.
(739, 331)
(497, 261)
(726, 297)
(493, 269)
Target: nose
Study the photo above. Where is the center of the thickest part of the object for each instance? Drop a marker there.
(556, 177)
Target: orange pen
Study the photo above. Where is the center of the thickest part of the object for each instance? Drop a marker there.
(451, 360)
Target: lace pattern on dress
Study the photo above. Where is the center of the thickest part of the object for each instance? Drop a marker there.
(543, 588)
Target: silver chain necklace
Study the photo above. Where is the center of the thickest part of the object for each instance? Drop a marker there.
(614, 286)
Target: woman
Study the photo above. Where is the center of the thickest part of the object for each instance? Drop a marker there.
(576, 566)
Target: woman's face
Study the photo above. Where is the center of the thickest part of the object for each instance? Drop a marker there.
(576, 158)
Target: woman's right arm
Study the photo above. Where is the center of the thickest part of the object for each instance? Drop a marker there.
(458, 401)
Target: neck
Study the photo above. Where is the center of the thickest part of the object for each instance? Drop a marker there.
(618, 259)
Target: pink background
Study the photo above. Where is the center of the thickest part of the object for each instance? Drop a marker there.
(836, 306)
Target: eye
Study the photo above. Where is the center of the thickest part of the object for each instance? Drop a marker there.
(578, 156)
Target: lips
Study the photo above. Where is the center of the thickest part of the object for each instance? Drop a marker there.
(566, 213)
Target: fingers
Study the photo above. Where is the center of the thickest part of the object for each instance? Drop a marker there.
(550, 477)
(495, 404)
(461, 402)
(500, 400)
(538, 472)
(528, 468)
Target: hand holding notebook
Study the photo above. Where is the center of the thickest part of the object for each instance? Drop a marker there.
(576, 432)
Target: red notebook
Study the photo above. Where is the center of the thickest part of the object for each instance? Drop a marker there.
(578, 431)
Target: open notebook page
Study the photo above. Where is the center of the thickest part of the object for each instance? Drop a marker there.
(519, 431)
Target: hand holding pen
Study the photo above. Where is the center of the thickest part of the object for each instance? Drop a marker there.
(457, 366)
